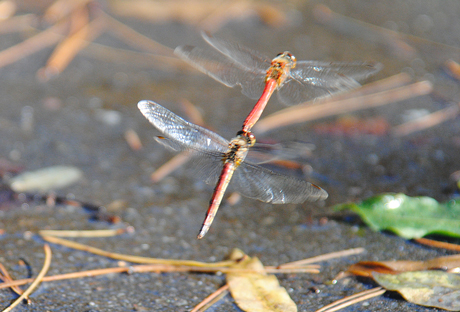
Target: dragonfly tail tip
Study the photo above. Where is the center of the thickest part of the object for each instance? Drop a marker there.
(204, 229)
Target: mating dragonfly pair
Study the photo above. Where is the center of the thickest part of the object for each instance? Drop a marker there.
(221, 160)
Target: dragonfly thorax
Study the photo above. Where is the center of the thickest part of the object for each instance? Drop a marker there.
(238, 147)
(280, 67)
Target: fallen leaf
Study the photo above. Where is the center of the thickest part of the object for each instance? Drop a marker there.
(428, 288)
(366, 268)
(257, 292)
(408, 217)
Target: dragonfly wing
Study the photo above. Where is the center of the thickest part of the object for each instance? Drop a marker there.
(242, 55)
(205, 165)
(212, 63)
(268, 186)
(312, 79)
(224, 69)
(355, 70)
(252, 85)
(262, 153)
(184, 134)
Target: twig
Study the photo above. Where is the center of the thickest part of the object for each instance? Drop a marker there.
(383, 84)
(163, 268)
(7, 9)
(133, 140)
(7, 278)
(116, 55)
(37, 281)
(67, 49)
(187, 11)
(89, 273)
(206, 15)
(62, 8)
(18, 23)
(89, 233)
(134, 259)
(78, 19)
(388, 83)
(193, 114)
(229, 10)
(350, 300)
(211, 299)
(135, 39)
(328, 256)
(213, 269)
(302, 113)
(454, 69)
(437, 244)
(170, 166)
(427, 121)
(36, 43)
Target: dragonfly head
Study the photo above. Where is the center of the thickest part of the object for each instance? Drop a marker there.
(286, 57)
(248, 136)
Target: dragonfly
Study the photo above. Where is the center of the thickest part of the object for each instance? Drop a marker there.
(259, 77)
(220, 161)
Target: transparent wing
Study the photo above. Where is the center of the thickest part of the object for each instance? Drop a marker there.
(184, 134)
(205, 164)
(355, 70)
(262, 153)
(224, 69)
(312, 79)
(245, 57)
(268, 186)
(207, 167)
(250, 180)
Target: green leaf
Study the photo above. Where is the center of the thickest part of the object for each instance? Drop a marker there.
(428, 288)
(408, 217)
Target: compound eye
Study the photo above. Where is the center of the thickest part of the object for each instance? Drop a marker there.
(289, 55)
(252, 138)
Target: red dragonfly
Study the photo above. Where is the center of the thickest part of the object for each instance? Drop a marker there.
(296, 81)
(217, 160)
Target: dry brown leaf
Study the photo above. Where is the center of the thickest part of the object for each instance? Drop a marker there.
(257, 292)
(366, 268)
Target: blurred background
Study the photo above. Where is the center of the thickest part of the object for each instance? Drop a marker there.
(72, 72)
